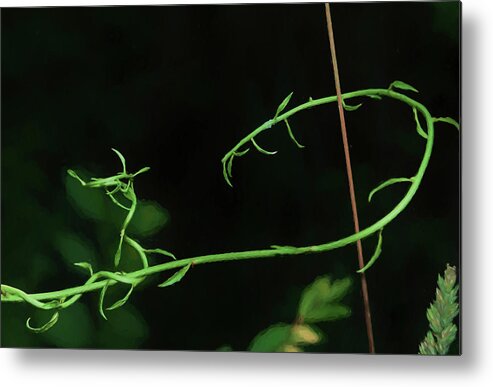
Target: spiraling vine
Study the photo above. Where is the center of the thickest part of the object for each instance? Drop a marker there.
(121, 187)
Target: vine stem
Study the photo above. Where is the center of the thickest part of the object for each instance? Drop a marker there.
(102, 279)
(354, 207)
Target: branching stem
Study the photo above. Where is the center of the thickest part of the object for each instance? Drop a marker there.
(60, 299)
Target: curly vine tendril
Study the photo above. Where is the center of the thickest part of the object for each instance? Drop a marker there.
(101, 280)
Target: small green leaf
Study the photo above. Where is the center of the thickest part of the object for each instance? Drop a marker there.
(304, 334)
(271, 339)
(375, 255)
(339, 288)
(241, 153)
(318, 297)
(351, 108)
(101, 300)
(291, 135)
(374, 96)
(85, 265)
(122, 159)
(114, 200)
(176, 277)
(329, 312)
(160, 251)
(263, 150)
(118, 253)
(230, 165)
(75, 176)
(419, 129)
(142, 170)
(45, 327)
(121, 302)
(387, 183)
(283, 105)
(225, 173)
(447, 120)
(402, 85)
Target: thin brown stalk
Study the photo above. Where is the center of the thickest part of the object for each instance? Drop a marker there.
(361, 261)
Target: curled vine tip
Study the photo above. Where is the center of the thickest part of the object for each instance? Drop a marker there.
(122, 159)
(283, 104)
(419, 129)
(45, 327)
(386, 183)
(402, 85)
(351, 108)
(291, 135)
(261, 150)
(73, 174)
(376, 254)
(447, 120)
(177, 277)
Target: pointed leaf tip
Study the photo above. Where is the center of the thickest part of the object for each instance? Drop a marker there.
(351, 108)
(261, 150)
(387, 183)
(376, 254)
(402, 85)
(447, 120)
(283, 104)
(122, 159)
(121, 302)
(85, 265)
(177, 277)
(45, 327)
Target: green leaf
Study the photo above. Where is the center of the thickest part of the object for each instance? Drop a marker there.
(122, 159)
(291, 135)
(319, 299)
(230, 165)
(419, 129)
(304, 334)
(118, 253)
(271, 339)
(45, 327)
(176, 277)
(225, 173)
(447, 120)
(338, 289)
(402, 85)
(374, 96)
(101, 300)
(75, 176)
(351, 108)
(376, 254)
(160, 251)
(241, 153)
(85, 265)
(283, 105)
(121, 302)
(261, 150)
(328, 312)
(387, 183)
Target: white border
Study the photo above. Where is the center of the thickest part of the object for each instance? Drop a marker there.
(128, 368)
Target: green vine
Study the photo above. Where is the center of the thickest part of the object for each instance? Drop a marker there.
(121, 187)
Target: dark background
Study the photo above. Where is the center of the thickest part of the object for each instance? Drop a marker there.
(174, 88)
